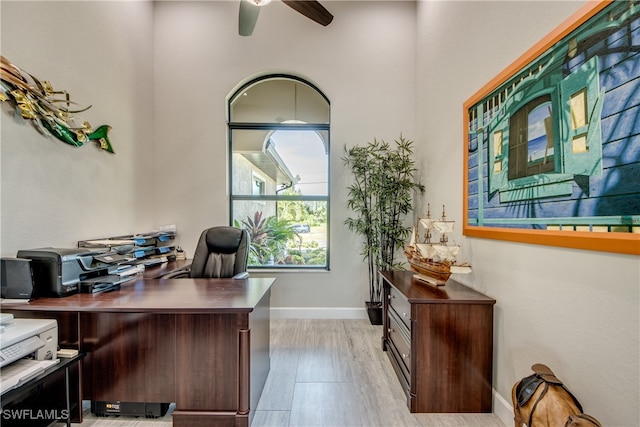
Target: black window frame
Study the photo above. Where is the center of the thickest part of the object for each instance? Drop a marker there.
(273, 127)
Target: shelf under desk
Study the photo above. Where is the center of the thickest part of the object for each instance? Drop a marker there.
(47, 411)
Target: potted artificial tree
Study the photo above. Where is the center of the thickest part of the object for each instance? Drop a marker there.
(380, 197)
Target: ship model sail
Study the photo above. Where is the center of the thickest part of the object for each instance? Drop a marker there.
(434, 261)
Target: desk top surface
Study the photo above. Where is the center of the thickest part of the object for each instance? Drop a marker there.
(163, 296)
(417, 292)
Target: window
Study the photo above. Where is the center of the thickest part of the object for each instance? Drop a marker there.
(531, 143)
(540, 139)
(578, 107)
(279, 171)
(258, 186)
(582, 99)
(497, 149)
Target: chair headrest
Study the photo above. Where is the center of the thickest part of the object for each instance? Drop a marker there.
(223, 240)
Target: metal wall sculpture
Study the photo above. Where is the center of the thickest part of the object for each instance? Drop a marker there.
(47, 109)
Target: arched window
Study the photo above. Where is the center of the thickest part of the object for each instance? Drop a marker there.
(279, 171)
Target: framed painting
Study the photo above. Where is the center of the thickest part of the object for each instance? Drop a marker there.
(552, 144)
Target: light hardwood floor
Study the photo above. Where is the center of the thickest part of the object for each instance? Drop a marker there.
(327, 373)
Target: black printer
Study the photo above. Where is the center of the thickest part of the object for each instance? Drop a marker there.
(59, 271)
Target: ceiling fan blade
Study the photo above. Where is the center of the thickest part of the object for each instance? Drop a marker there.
(247, 17)
(312, 10)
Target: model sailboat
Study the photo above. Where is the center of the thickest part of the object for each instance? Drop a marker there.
(434, 261)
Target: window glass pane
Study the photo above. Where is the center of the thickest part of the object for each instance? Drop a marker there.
(540, 135)
(578, 103)
(279, 100)
(284, 233)
(285, 159)
(497, 166)
(497, 143)
(258, 185)
(304, 154)
(579, 144)
(250, 158)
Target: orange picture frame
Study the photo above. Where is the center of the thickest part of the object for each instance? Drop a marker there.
(481, 187)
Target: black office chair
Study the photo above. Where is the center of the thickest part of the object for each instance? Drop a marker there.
(222, 252)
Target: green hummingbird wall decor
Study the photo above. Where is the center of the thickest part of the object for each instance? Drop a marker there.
(49, 110)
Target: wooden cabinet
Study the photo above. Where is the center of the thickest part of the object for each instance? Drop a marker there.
(440, 343)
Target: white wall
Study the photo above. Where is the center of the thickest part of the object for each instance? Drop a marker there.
(576, 311)
(364, 62)
(54, 194)
(159, 74)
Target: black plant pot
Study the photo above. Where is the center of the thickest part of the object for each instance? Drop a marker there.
(374, 310)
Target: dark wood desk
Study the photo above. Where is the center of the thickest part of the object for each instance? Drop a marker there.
(201, 343)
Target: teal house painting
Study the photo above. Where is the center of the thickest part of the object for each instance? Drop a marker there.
(556, 145)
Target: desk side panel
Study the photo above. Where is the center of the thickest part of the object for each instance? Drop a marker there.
(259, 324)
(130, 356)
(207, 352)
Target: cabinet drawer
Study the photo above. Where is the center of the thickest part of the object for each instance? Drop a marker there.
(398, 336)
(401, 305)
(400, 369)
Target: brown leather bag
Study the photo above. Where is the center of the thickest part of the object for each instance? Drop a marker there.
(542, 400)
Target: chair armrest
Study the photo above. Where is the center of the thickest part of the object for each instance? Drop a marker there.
(242, 275)
(177, 274)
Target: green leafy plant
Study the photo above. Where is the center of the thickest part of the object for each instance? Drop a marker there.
(380, 197)
(268, 238)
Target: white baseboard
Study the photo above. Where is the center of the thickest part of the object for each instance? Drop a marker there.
(318, 313)
(502, 408)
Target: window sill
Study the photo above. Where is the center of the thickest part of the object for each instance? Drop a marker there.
(287, 270)
(537, 187)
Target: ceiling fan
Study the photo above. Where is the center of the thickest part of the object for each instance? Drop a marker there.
(250, 9)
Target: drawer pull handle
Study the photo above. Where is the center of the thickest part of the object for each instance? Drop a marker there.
(390, 330)
(391, 296)
(404, 356)
(404, 314)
